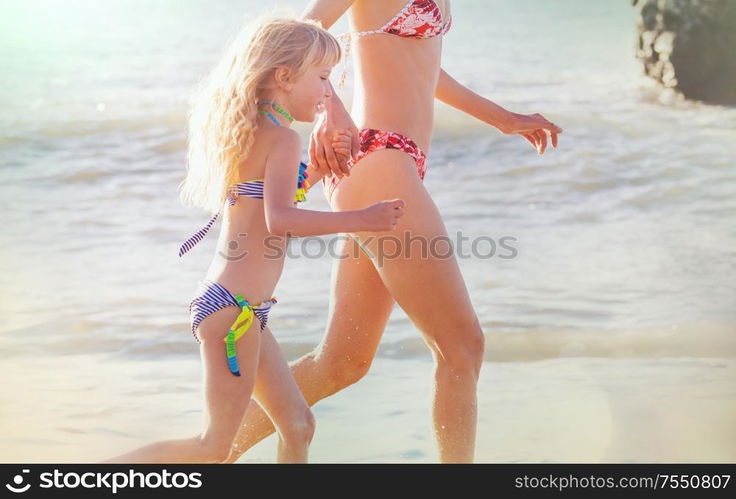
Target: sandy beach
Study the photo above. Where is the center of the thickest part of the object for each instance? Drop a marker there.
(588, 409)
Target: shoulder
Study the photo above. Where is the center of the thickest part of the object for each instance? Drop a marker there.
(284, 142)
(281, 137)
(286, 137)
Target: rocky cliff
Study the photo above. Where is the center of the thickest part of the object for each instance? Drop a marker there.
(690, 45)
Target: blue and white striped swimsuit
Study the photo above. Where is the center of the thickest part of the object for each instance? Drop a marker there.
(251, 189)
(211, 296)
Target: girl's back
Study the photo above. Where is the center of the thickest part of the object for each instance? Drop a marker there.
(247, 255)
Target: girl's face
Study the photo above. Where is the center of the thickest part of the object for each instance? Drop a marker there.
(309, 92)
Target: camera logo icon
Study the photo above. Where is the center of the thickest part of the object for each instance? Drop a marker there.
(18, 481)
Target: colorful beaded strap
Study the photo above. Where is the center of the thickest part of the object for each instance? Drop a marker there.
(302, 184)
(235, 333)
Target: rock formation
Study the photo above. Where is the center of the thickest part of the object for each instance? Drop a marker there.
(690, 46)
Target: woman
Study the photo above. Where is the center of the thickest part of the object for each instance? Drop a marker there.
(393, 109)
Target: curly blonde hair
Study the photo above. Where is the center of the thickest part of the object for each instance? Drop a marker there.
(223, 116)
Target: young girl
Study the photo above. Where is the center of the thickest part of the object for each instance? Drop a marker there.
(244, 161)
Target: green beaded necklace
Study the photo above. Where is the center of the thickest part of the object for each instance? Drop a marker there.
(277, 108)
(270, 116)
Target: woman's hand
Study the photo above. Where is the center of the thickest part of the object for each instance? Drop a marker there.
(332, 123)
(341, 145)
(534, 128)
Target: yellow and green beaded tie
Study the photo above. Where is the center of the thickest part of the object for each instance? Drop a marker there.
(245, 319)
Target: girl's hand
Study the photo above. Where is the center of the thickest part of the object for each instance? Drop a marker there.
(383, 215)
(314, 176)
(341, 144)
(534, 128)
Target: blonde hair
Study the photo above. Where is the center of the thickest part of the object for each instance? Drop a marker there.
(224, 112)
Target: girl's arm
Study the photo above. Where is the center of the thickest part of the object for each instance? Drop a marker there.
(313, 176)
(531, 127)
(285, 219)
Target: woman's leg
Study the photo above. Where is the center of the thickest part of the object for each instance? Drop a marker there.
(226, 396)
(425, 280)
(359, 309)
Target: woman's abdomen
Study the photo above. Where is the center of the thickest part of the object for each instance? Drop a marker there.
(395, 85)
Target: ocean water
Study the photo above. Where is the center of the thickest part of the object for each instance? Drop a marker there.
(623, 236)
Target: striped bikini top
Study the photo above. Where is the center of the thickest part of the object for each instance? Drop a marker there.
(251, 189)
(418, 19)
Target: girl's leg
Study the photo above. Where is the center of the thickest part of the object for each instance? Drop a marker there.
(277, 391)
(226, 397)
(424, 278)
(359, 309)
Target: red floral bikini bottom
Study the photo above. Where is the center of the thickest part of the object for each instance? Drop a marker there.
(374, 140)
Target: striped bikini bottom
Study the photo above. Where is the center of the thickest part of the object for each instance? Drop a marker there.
(211, 297)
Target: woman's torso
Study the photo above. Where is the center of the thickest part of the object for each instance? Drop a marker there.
(248, 259)
(395, 77)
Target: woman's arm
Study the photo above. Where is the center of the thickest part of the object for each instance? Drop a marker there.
(341, 146)
(285, 219)
(453, 93)
(326, 12)
(335, 117)
(531, 127)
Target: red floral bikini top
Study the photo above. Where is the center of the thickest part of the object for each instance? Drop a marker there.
(418, 19)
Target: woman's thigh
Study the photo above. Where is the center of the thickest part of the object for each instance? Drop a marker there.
(416, 261)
